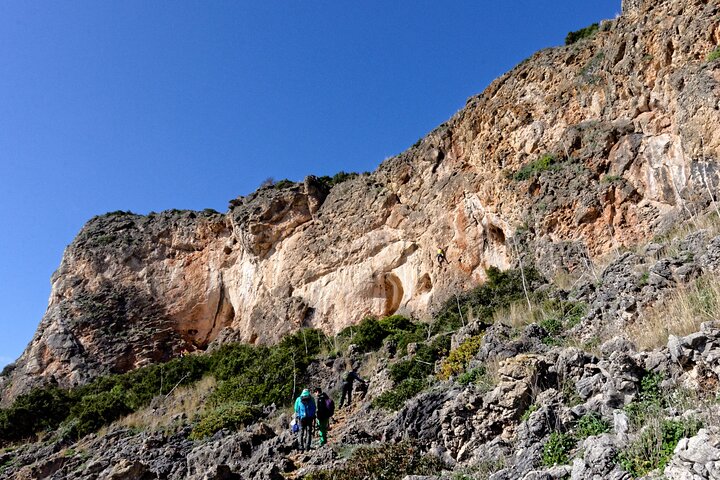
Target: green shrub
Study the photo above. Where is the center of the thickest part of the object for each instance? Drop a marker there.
(714, 55)
(395, 398)
(384, 462)
(578, 35)
(95, 410)
(552, 326)
(650, 403)
(264, 375)
(231, 415)
(40, 409)
(370, 333)
(526, 414)
(403, 331)
(555, 316)
(458, 359)
(570, 393)
(338, 178)
(232, 359)
(474, 375)
(557, 449)
(591, 424)
(419, 365)
(655, 446)
(7, 370)
(610, 179)
(282, 184)
(544, 163)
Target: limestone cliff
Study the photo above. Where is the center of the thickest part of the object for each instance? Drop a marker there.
(577, 151)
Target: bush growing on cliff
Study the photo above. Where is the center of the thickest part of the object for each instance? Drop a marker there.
(556, 316)
(578, 35)
(396, 397)
(95, 410)
(591, 424)
(7, 370)
(557, 449)
(714, 55)
(282, 184)
(338, 178)
(542, 164)
(422, 363)
(410, 376)
(650, 403)
(263, 375)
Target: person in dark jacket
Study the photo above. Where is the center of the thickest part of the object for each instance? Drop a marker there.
(325, 410)
(305, 410)
(347, 385)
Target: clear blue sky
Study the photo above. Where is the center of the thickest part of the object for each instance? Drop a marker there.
(147, 105)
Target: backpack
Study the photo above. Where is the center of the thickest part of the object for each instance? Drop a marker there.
(325, 407)
(306, 408)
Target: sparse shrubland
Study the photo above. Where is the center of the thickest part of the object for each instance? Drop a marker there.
(654, 447)
(254, 375)
(383, 462)
(680, 313)
(501, 290)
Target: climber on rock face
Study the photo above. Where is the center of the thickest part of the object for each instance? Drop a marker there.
(441, 256)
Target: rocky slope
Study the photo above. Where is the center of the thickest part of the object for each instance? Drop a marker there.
(576, 152)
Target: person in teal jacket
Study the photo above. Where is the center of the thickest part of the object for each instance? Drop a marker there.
(305, 414)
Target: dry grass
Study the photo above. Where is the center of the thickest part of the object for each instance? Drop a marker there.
(492, 372)
(517, 315)
(568, 280)
(680, 313)
(188, 400)
(710, 222)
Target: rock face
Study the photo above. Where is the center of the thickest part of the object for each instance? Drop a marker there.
(577, 151)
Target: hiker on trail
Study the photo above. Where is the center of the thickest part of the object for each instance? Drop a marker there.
(362, 390)
(441, 256)
(305, 414)
(325, 410)
(347, 386)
